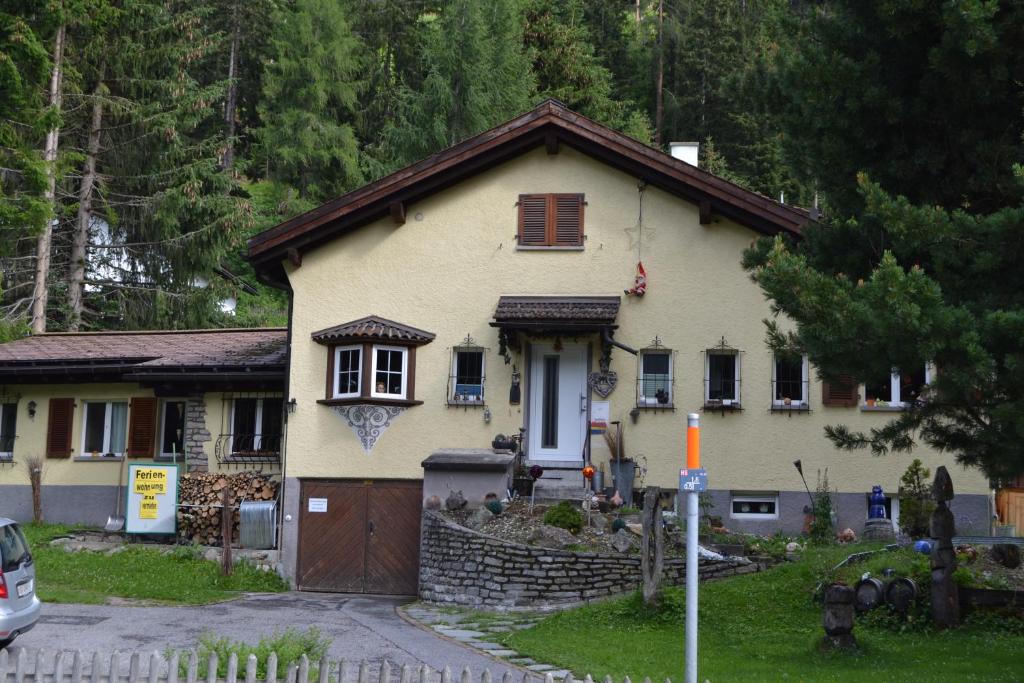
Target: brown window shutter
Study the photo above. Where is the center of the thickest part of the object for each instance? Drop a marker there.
(568, 220)
(142, 427)
(58, 428)
(533, 220)
(841, 393)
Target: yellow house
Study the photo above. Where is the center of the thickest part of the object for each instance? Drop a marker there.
(80, 404)
(493, 289)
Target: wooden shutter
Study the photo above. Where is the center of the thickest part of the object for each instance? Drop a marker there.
(533, 220)
(568, 220)
(142, 427)
(840, 393)
(549, 220)
(58, 428)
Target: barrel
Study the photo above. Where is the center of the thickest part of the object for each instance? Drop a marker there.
(869, 594)
(901, 593)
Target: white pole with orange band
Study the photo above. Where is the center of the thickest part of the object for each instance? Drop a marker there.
(693, 480)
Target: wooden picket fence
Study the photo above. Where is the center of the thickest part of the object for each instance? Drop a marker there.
(76, 667)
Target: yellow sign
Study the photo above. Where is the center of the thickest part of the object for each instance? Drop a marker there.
(150, 481)
(149, 507)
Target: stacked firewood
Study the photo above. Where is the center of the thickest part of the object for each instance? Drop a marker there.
(200, 499)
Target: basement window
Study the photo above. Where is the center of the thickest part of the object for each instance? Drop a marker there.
(754, 506)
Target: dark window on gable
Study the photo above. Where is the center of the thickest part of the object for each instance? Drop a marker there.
(551, 220)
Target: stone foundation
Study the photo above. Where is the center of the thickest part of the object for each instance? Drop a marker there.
(464, 567)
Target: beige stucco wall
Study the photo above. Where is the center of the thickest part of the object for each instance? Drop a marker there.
(31, 433)
(444, 270)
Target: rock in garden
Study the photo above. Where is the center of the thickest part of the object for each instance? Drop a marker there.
(455, 501)
(598, 521)
(479, 517)
(622, 541)
(1006, 554)
(548, 536)
(793, 547)
(637, 529)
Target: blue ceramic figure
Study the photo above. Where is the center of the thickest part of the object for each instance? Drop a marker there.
(877, 508)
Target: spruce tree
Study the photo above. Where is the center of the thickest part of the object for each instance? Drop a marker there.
(309, 97)
(477, 75)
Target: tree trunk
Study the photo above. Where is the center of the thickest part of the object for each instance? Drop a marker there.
(40, 293)
(659, 107)
(83, 221)
(652, 549)
(232, 101)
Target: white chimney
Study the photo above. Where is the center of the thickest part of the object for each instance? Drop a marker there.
(685, 151)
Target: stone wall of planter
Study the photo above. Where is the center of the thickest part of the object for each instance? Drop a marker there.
(464, 567)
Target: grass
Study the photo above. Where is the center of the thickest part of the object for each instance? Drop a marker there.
(766, 627)
(140, 572)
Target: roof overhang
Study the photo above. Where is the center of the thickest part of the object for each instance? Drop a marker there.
(560, 314)
(550, 124)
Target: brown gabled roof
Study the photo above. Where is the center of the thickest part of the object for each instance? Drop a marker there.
(373, 327)
(551, 123)
(599, 310)
(115, 355)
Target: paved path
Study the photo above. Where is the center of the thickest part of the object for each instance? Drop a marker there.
(361, 627)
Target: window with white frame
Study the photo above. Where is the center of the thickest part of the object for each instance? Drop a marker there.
(8, 426)
(789, 381)
(754, 506)
(389, 371)
(348, 364)
(172, 428)
(722, 386)
(898, 390)
(655, 378)
(467, 378)
(256, 426)
(106, 427)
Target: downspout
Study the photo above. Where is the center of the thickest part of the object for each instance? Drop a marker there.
(606, 336)
(287, 417)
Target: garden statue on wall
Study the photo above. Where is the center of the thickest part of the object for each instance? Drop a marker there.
(945, 595)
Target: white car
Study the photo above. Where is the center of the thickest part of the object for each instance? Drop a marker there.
(19, 606)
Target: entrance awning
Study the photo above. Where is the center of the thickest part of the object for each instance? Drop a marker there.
(557, 313)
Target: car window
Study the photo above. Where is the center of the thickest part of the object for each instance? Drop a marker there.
(13, 548)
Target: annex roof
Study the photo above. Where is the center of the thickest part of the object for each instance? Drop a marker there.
(549, 124)
(373, 327)
(134, 355)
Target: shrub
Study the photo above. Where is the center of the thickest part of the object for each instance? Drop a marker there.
(566, 516)
(618, 524)
(916, 504)
(289, 644)
(494, 506)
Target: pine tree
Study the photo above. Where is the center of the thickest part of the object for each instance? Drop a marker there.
(309, 98)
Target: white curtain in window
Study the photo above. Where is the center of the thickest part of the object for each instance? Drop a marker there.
(118, 426)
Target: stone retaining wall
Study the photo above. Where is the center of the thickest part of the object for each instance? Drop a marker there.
(464, 567)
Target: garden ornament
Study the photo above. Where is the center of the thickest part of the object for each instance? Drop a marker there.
(877, 508)
(944, 592)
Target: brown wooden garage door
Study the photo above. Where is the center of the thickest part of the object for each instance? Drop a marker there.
(367, 540)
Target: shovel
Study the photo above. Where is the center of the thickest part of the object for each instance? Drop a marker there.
(115, 522)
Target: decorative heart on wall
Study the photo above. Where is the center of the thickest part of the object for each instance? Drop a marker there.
(603, 383)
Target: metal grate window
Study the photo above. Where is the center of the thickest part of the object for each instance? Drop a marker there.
(252, 429)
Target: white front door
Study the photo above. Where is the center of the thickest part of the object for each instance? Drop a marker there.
(558, 402)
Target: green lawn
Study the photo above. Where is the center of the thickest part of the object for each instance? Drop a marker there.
(765, 627)
(141, 572)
